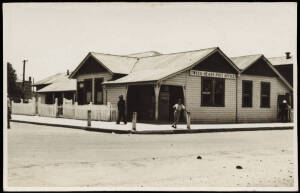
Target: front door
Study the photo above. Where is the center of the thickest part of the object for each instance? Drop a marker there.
(164, 103)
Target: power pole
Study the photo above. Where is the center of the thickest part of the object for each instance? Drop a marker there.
(23, 85)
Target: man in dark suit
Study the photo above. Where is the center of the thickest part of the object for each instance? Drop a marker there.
(121, 110)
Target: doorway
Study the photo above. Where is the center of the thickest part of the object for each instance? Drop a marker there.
(141, 99)
(168, 97)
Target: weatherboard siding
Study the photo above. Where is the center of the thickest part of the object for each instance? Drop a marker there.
(113, 93)
(256, 113)
(201, 114)
(177, 80)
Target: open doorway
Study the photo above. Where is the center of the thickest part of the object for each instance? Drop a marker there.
(141, 99)
(168, 97)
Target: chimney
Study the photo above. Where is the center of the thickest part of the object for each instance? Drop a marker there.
(288, 55)
(68, 72)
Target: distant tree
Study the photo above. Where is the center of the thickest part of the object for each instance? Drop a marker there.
(14, 91)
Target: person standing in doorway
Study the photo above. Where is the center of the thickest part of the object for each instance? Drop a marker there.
(285, 111)
(121, 110)
(178, 108)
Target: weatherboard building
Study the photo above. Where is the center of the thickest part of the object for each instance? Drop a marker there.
(214, 87)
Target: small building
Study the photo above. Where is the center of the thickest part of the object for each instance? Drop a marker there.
(56, 86)
(211, 84)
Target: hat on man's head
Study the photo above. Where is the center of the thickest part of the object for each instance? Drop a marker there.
(121, 96)
(284, 101)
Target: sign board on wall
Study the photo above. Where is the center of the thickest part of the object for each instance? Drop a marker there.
(212, 74)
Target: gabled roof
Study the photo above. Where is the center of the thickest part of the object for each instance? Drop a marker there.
(163, 66)
(50, 79)
(145, 54)
(244, 62)
(115, 64)
(63, 84)
(281, 60)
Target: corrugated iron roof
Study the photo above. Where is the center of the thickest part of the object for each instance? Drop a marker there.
(63, 84)
(50, 79)
(160, 66)
(242, 62)
(116, 64)
(145, 54)
(281, 60)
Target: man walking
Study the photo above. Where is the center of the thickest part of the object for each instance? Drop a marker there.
(121, 110)
(178, 108)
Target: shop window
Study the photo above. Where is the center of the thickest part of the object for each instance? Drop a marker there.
(265, 95)
(213, 92)
(98, 91)
(247, 93)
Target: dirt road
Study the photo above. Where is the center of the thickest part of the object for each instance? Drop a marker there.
(51, 156)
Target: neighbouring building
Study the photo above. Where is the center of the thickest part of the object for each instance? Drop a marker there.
(214, 87)
(56, 86)
(284, 65)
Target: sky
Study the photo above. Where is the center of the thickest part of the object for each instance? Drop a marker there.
(55, 37)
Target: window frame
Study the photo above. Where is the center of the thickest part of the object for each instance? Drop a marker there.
(261, 94)
(243, 93)
(213, 93)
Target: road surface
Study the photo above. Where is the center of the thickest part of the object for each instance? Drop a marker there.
(44, 156)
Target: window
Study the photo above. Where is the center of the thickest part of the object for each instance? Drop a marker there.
(212, 93)
(98, 91)
(247, 93)
(265, 95)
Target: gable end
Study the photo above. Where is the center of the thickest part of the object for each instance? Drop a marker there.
(260, 68)
(215, 63)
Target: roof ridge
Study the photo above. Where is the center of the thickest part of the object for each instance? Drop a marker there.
(183, 52)
(247, 55)
(125, 56)
(144, 52)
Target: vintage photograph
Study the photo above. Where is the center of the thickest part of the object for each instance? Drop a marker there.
(150, 96)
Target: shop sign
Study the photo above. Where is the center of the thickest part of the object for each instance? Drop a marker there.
(212, 74)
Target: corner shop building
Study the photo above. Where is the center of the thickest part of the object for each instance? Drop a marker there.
(214, 87)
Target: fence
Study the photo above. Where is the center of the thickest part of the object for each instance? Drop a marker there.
(99, 112)
(24, 108)
(69, 110)
(47, 110)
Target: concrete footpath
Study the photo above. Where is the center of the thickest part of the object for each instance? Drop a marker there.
(146, 128)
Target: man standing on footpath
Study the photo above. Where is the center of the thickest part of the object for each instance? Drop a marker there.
(121, 110)
(178, 108)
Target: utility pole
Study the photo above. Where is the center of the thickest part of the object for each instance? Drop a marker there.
(23, 85)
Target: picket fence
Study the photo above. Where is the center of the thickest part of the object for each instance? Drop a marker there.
(24, 108)
(69, 110)
(98, 112)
